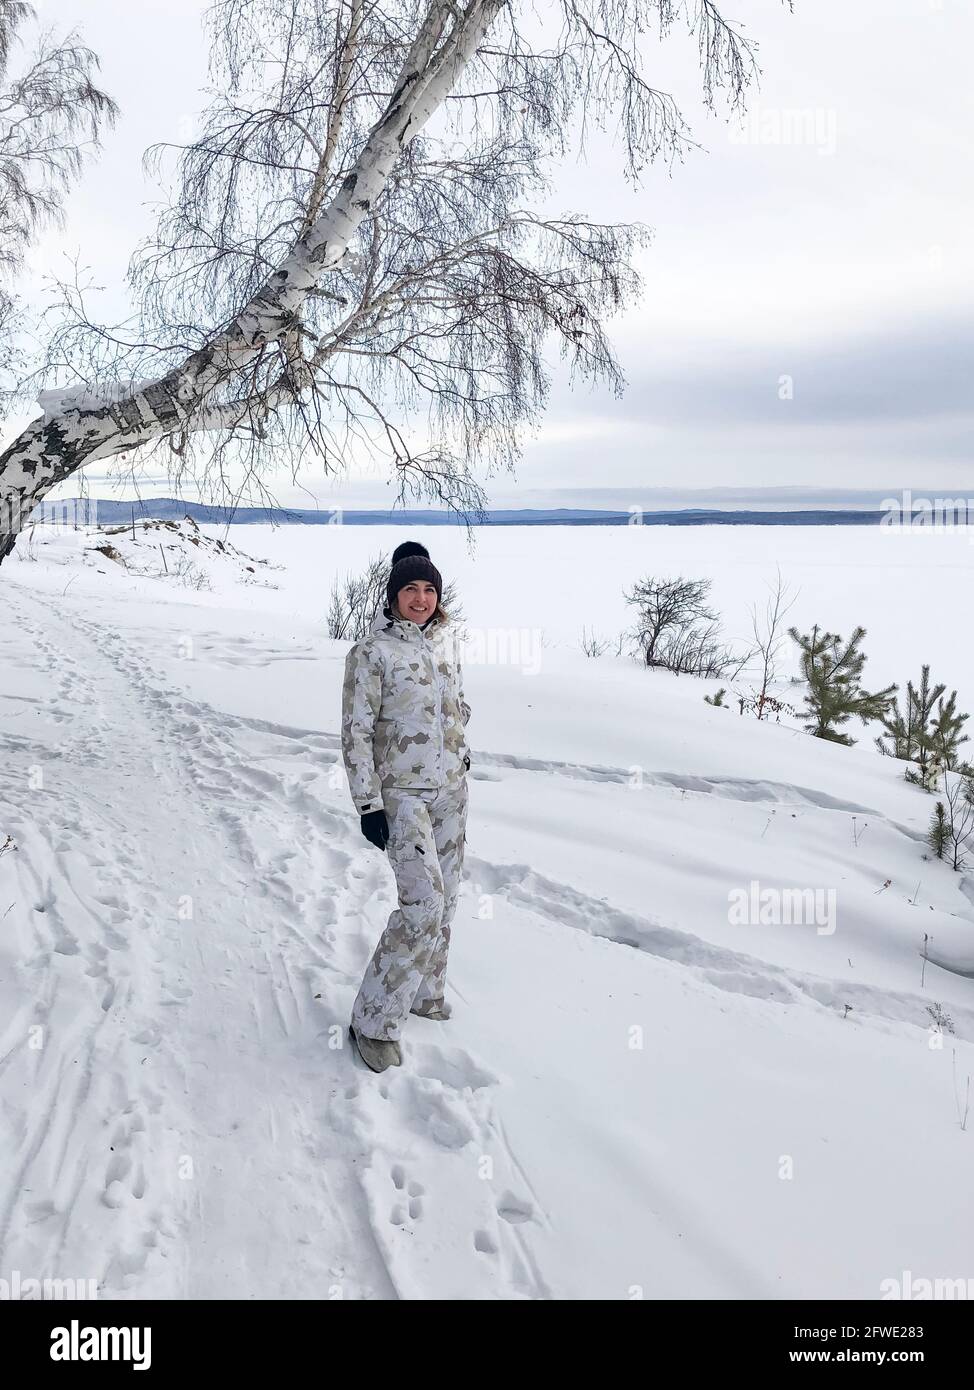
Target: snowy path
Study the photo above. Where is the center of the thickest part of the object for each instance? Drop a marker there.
(191, 907)
(210, 1067)
(178, 973)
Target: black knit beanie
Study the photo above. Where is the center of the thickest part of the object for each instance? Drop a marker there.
(415, 563)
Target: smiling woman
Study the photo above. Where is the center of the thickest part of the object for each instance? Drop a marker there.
(403, 721)
(416, 600)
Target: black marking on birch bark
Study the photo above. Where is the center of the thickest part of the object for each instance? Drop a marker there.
(128, 415)
(161, 403)
(395, 101)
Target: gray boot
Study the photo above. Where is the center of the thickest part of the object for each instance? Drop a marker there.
(439, 1012)
(377, 1053)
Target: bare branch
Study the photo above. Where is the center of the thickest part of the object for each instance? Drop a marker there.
(350, 266)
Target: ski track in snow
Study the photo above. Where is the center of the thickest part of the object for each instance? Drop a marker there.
(734, 971)
(735, 788)
(124, 1130)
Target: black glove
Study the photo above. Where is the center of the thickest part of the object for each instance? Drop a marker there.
(375, 828)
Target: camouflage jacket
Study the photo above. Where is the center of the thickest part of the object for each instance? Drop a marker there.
(403, 711)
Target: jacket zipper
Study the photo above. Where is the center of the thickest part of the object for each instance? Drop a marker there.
(424, 642)
(439, 693)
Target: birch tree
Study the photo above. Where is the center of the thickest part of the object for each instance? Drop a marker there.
(352, 261)
(51, 116)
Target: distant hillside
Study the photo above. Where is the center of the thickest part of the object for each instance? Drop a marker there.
(99, 511)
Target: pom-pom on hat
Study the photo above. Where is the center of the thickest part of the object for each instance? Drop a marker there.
(408, 548)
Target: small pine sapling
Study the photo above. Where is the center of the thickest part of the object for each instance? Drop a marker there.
(832, 670)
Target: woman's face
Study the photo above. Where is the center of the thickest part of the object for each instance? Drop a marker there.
(417, 600)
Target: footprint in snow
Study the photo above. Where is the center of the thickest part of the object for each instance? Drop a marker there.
(452, 1067)
(514, 1210)
(125, 1173)
(178, 994)
(411, 1193)
(435, 1115)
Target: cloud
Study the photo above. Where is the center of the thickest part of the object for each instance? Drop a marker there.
(919, 373)
(825, 241)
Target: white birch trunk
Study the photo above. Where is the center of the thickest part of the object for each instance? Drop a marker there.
(53, 447)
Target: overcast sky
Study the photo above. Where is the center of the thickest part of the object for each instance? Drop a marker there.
(808, 290)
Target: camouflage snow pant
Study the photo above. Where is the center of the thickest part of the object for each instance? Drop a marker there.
(408, 967)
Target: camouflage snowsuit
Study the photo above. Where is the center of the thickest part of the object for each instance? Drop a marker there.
(403, 742)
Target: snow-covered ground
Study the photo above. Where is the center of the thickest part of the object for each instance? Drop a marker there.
(638, 1094)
